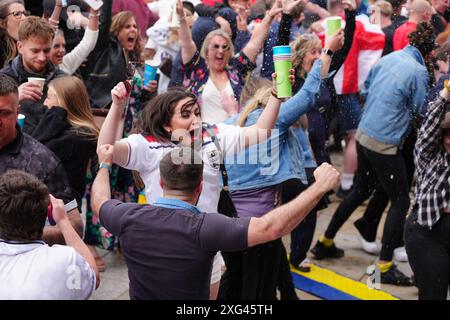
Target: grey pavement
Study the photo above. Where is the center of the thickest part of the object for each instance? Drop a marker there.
(114, 281)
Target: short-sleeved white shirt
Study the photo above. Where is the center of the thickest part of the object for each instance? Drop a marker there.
(36, 271)
(146, 154)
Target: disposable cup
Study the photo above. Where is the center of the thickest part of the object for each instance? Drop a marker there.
(150, 71)
(20, 120)
(38, 81)
(282, 59)
(333, 25)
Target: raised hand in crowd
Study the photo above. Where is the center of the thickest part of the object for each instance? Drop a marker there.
(229, 103)
(290, 5)
(224, 25)
(335, 42)
(332, 43)
(151, 87)
(119, 95)
(71, 237)
(327, 177)
(59, 213)
(54, 19)
(241, 18)
(276, 9)
(105, 154)
(349, 5)
(274, 80)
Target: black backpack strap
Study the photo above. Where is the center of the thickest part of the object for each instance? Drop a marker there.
(223, 170)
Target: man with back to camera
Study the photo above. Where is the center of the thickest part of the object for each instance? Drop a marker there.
(169, 246)
(20, 151)
(29, 268)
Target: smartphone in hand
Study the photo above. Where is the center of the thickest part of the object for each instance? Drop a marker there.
(94, 4)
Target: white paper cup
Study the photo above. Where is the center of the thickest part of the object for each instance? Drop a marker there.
(38, 81)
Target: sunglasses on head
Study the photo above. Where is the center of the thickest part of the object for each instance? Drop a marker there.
(224, 47)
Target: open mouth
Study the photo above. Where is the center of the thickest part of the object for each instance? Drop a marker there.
(131, 40)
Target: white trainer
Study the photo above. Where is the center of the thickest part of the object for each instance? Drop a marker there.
(400, 254)
(369, 247)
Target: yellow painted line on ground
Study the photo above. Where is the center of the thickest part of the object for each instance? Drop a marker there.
(349, 286)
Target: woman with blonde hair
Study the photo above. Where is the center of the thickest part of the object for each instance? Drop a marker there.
(68, 129)
(215, 74)
(254, 185)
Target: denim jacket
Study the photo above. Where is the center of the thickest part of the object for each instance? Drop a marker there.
(395, 88)
(272, 162)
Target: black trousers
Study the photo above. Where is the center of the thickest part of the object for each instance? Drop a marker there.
(368, 223)
(302, 235)
(388, 171)
(429, 256)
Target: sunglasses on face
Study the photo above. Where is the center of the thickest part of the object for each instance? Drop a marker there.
(18, 14)
(216, 46)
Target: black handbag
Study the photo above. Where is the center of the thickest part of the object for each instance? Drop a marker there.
(225, 205)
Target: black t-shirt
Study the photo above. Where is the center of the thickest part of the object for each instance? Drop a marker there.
(389, 33)
(169, 252)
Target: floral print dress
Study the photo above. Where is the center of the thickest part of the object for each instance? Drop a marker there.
(196, 74)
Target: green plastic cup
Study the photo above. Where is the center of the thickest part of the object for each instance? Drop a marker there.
(333, 25)
(282, 60)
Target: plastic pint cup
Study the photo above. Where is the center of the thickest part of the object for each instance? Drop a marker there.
(150, 71)
(333, 25)
(20, 120)
(282, 60)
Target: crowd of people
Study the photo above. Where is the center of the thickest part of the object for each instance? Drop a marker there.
(228, 166)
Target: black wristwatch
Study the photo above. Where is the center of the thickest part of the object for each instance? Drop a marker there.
(327, 51)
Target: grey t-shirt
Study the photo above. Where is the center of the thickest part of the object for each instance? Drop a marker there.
(169, 252)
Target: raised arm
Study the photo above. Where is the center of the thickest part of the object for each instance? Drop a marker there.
(428, 139)
(73, 59)
(300, 103)
(108, 132)
(284, 30)
(260, 33)
(282, 220)
(104, 25)
(316, 9)
(101, 190)
(54, 18)
(188, 47)
(71, 238)
(349, 30)
(53, 235)
(305, 98)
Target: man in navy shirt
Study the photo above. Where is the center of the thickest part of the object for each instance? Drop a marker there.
(169, 246)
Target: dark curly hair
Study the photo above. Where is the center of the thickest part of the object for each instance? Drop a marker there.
(23, 202)
(423, 38)
(159, 111)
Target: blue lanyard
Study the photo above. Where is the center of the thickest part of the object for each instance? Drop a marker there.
(176, 204)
